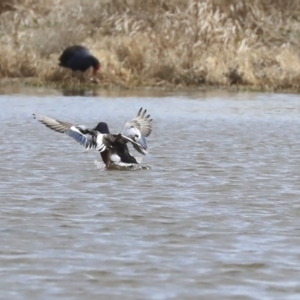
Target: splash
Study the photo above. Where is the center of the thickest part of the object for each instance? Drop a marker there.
(122, 166)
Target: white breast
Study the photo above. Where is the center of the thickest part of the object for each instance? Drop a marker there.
(115, 158)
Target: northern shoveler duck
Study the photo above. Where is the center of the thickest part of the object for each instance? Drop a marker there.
(79, 58)
(112, 147)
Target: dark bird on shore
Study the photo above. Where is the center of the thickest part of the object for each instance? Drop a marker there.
(112, 147)
(79, 58)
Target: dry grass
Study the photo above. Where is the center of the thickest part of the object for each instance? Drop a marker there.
(156, 42)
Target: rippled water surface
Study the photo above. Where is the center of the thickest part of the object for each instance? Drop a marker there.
(216, 217)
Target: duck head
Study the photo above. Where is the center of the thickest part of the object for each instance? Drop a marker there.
(102, 127)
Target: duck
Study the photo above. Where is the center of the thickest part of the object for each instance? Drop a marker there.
(113, 148)
(79, 58)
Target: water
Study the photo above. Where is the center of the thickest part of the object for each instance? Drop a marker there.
(216, 217)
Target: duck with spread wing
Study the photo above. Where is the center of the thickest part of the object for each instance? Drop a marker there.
(112, 147)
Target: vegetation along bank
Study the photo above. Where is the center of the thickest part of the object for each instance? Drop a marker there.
(178, 43)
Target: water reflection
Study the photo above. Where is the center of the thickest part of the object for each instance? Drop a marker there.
(80, 91)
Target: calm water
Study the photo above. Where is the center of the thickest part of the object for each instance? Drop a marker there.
(216, 217)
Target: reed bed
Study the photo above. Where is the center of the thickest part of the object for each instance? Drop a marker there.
(252, 44)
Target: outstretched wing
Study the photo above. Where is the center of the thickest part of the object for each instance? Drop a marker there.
(138, 129)
(113, 140)
(142, 122)
(86, 137)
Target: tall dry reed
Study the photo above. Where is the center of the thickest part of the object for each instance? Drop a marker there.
(156, 42)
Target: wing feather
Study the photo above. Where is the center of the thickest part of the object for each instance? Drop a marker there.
(142, 122)
(110, 140)
(86, 137)
(138, 129)
(83, 139)
(56, 125)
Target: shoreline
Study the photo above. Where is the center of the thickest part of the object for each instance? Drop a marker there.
(13, 84)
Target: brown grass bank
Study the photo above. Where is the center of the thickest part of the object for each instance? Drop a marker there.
(156, 42)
